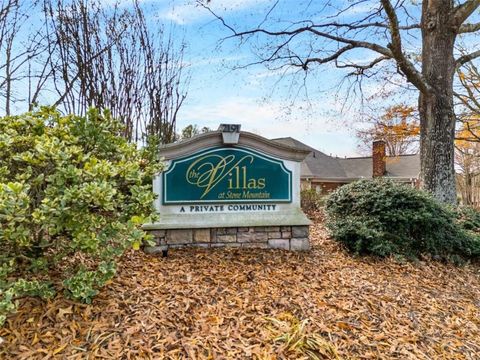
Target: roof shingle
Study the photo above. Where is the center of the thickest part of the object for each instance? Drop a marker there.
(320, 165)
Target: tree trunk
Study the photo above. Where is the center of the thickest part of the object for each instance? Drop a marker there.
(437, 118)
(468, 189)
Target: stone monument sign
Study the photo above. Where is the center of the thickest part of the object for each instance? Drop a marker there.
(229, 188)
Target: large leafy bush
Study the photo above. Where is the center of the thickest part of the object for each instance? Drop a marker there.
(73, 194)
(384, 218)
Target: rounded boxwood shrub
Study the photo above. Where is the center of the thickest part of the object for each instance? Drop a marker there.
(73, 195)
(384, 218)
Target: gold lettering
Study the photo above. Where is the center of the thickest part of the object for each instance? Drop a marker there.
(207, 171)
(252, 184)
(237, 170)
(244, 171)
(261, 183)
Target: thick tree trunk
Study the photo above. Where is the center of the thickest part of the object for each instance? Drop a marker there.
(437, 118)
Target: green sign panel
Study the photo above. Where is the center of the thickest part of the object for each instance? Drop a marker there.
(227, 175)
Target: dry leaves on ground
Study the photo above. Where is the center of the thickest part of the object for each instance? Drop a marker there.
(260, 304)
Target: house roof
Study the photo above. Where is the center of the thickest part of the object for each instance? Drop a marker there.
(403, 166)
(317, 163)
(322, 166)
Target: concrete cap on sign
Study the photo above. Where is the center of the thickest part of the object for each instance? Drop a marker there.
(292, 217)
(244, 139)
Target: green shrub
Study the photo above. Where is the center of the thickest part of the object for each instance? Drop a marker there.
(384, 218)
(311, 201)
(468, 218)
(73, 194)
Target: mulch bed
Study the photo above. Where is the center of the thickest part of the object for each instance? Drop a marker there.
(219, 304)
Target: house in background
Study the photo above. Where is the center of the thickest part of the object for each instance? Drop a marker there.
(325, 173)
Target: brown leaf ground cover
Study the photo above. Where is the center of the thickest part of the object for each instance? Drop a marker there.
(247, 304)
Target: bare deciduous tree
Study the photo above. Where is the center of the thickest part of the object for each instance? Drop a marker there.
(111, 58)
(383, 28)
(18, 50)
(84, 53)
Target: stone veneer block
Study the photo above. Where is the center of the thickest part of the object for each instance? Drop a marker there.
(226, 231)
(262, 236)
(201, 235)
(226, 238)
(286, 234)
(299, 231)
(157, 233)
(272, 228)
(179, 236)
(213, 234)
(246, 237)
(257, 229)
(231, 231)
(274, 235)
(221, 231)
(242, 229)
(299, 244)
(285, 228)
(279, 244)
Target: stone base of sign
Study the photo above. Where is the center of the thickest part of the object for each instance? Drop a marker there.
(263, 237)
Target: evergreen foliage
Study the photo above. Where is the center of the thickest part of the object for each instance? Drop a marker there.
(73, 194)
(384, 218)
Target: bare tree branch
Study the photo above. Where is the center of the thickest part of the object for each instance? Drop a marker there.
(304, 64)
(468, 28)
(92, 55)
(394, 51)
(463, 11)
(396, 47)
(385, 27)
(466, 58)
(360, 69)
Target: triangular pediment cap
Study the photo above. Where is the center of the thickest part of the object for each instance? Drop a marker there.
(246, 139)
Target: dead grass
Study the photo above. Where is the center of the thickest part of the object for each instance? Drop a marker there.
(247, 304)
